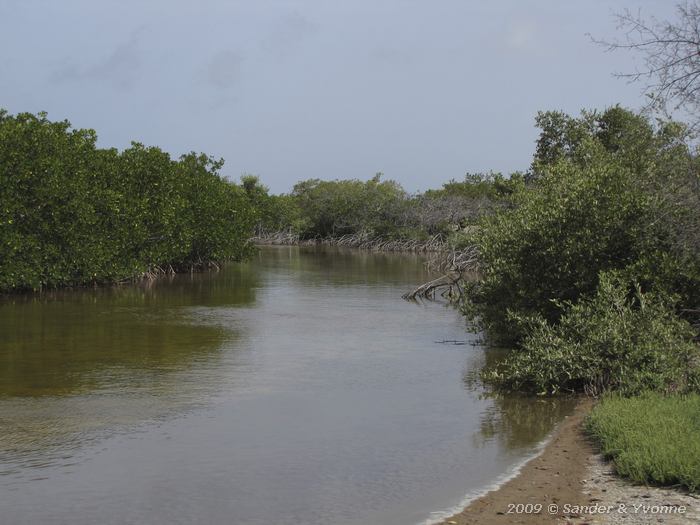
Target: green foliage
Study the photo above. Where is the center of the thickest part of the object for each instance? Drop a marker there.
(628, 136)
(334, 208)
(652, 438)
(378, 208)
(71, 213)
(561, 234)
(492, 186)
(605, 197)
(611, 200)
(273, 213)
(219, 214)
(462, 203)
(621, 339)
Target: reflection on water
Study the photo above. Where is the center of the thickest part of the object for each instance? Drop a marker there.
(76, 364)
(73, 341)
(294, 388)
(516, 422)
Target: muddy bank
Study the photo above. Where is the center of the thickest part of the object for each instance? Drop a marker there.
(569, 483)
(552, 478)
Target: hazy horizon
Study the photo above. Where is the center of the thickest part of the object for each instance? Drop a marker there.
(291, 90)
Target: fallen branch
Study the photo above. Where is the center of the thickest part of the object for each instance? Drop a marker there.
(456, 266)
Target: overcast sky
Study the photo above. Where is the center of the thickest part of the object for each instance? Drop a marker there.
(423, 91)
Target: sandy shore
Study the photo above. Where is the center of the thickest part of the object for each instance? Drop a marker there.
(569, 483)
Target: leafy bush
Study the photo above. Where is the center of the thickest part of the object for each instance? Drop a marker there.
(341, 207)
(562, 233)
(379, 208)
(651, 438)
(621, 339)
(623, 133)
(607, 193)
(71, 213)
(462, 203)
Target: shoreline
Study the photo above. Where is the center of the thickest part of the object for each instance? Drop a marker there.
(362, 241)
(552, 477)
(568, 473)
(440, 517)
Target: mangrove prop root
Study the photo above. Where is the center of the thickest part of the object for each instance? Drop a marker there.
(454, 264)
(362, 241)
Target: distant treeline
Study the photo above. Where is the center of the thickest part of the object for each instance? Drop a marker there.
(74, 214)
(377, 208)
(588, 263)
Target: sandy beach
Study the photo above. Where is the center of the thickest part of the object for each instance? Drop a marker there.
(569, 483)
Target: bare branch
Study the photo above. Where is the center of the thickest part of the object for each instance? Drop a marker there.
(670, 53)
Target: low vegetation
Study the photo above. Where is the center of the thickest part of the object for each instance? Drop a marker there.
(652, 438)
(592, 278)
(621, 339)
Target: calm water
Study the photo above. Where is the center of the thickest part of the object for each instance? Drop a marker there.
(297, 388)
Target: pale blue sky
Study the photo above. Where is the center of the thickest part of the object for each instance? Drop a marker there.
(421, 90)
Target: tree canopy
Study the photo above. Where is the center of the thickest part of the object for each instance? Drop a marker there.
(72, 213)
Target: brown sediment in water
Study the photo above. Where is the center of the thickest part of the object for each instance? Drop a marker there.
(553, 478)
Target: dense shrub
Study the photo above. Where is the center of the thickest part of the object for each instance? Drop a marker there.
(71, 213)
(623, 133)
(575, 223)
(273, 213)
(340, 207)
(620, 339)
(462, 203)
(610, 201)
(606, 193)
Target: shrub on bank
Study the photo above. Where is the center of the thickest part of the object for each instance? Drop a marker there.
(593, 273)
(342, 207)
(651, 438)
(620, 339)
(575, 223)
(607, 192)
(72, 213)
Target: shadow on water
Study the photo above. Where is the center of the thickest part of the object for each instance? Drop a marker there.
(75, 362)
(70, 342)
(516, 421)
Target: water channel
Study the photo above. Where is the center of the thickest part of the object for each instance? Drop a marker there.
(295, 388)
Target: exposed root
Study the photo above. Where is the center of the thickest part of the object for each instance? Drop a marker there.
(456, 266)
(362, 241)
(281, 238)
(446, 285)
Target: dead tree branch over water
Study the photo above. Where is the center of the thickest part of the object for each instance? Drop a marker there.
(456, 266)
